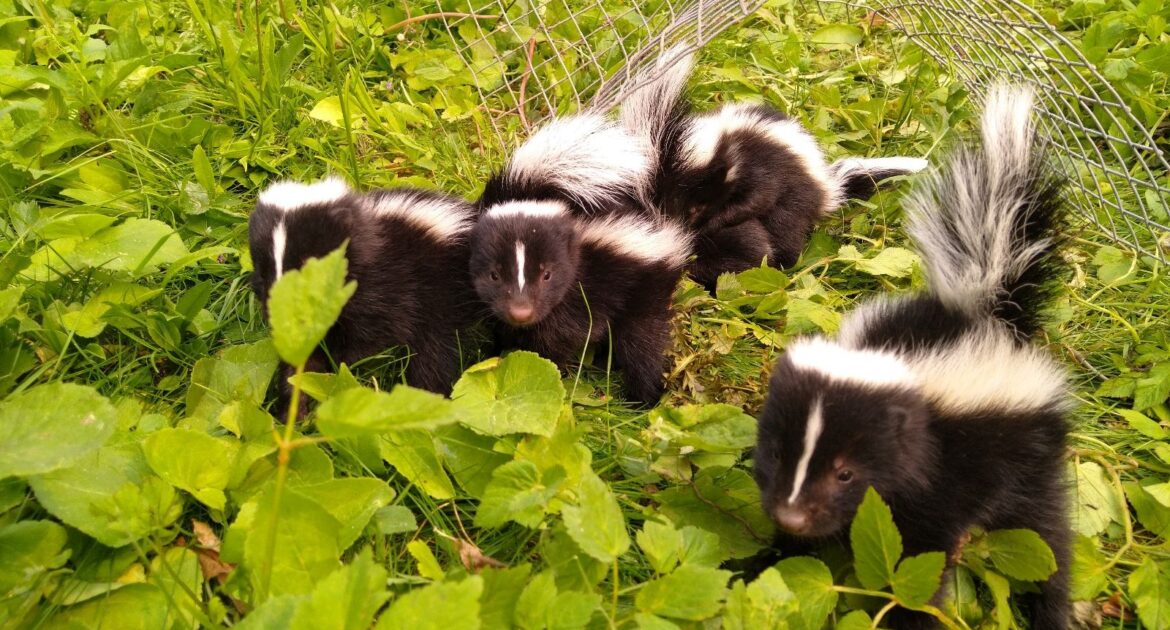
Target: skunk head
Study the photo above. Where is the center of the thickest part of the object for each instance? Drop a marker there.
(524, 259)
(836, 422)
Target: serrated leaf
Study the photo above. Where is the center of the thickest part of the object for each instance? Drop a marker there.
(894, 262)
(49, 427)
(838, 34)
(439, 606)
(352, 501)
(1142, 423)
(413, 454)
(347, 599)
(240, 373)
(1152, 390)
(762, 279)
(193, 461)
(304, 535)
(517, 492)
(725, 502)
(540, 606)
(133, 607)
(425, 561)
(304, 303)
(1021, 554)
(29, 549)
(856, 620)
(918, 578)
(502, 588)
(360, 411)
(521, 393)
(661, 543)
(812, 583)
(1098, 501)
(596, 522)
(137, 245)
(690, 592)
(876, 543)
(1149, 586)
(1151, 514)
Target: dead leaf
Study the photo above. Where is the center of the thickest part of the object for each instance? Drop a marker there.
(473, 558)
(208, 551)
(1114, 608)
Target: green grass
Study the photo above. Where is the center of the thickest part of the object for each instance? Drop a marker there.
(179, 112)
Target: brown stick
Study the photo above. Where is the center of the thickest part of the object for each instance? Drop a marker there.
(444, 14)
(524, 82)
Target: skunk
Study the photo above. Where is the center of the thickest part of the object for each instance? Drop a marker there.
(556, 282)
(407, 251)
(741, 164)
(938, 400)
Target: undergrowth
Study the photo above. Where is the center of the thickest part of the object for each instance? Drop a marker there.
(143, 483)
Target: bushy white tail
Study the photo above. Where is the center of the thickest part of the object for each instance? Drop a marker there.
(987, 223)
(657, 95)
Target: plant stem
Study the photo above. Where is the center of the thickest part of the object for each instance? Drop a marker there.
(284, 446)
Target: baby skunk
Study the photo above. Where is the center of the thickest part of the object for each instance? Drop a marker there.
(751, 181)
(557, 282)
(407, 251)
(938, 401)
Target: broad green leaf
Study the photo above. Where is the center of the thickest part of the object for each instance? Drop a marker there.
(876, 543)
(134, 607)
(540, 606)
(362, 411)
(715, 428)
(352, 501)
(765, 603)
(203, 173)
(574, 569)
(596, 522)
(304, 303)
(662, 544)
(501, 592)
(1098, 501)
(1143, 424)
(239, 373)
(346, 599)
(1021, 554)
(88, 321)
(328, 110)
(277, 612)
(646, 621)
(838, 34)
(1149, 586)
(176, 573)
(413, 454)
(304, 536)
(812, 583)
(439, 606)
(12, 493)
(193, 461)
(28, 549)
(321, 386)
(1151, 514)
(9, 300)
(49, 427)
(135, 245)
(521, 393)
(470, 457)
(701, 547)
(725, 502)
(426, 563)
(1089, 571)
(856, 620)
(110, 495)
(518, 492)
(1152, 390)
(894, 262)
(690, 592)
(395, 519)
(807, 316)
(762, 279)
(1160, 492)
(918, 578)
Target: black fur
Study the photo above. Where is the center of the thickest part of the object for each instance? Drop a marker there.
(412, 290)
(578, 291)
(943, 468)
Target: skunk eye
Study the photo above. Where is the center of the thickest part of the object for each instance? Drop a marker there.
(845, 476)
(495, 277)
(547, 276)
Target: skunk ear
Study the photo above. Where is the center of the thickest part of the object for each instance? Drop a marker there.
(858, 177)
(903, 418)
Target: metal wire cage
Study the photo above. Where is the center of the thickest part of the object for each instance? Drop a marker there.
(563, 55)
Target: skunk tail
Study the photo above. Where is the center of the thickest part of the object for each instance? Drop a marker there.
(657, 99)
(989, 223)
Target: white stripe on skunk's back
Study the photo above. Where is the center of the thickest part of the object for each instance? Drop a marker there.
(871, 368)
(528, 209)
(289, 195)
(646, 240)
(443, 218)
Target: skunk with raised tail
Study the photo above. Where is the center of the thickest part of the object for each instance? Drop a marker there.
(408, 253)
(556, 282)
(749, 180)
(938, 400)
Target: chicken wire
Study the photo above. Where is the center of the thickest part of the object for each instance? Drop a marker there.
(532, 60)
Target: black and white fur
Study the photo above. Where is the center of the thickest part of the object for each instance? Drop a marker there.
(408, 253)
(556, 282)
(938, 400)
(749, 180)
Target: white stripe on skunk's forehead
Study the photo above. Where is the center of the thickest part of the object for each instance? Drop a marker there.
(288, 195)
(987, 368)
(812, 433)
(864, 367)
(587, 156)
(279, 243)
(706, 131)
(646, 240)
(528, 209)
(443, 218)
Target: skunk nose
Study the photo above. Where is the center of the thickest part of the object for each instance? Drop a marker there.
(520, 313)
(793, 520)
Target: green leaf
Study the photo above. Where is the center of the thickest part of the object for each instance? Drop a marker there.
(690, 592)
(29, 549)
(918, 578)
(203, 173)
(877, 545)
(239, 373)
(470, 457)
(193, 461)
(413, 454)
(812, 583)
(1151, 514)
(1089, 571)
(439, 606)
(1152, 390)
(1098, 501)
(49, 427)
(574, 569)
(856, 620)
(352, 501)
(1149, 586)
(347, 599)
(328, 110)
(716, 428)
(540, 606)
(894, 262)
(501, 593)
(1142, 423)
(725, 502)
(1160, 492)
(277, 612)
(133, 607)
(838, 34)
(110, 495)
(521, 393)
(762, 279)
(361, 411)
(807, 316)
(9, 300)
(427, 564)
(176, 572)
(662, 544)
(517, 492)
(304, 535)
(1021, 554)
(765, 603)
(137, 245)
(395, 519)
(596, 522)
(304, 303)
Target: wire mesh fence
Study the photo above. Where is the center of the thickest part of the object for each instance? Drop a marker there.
(564, 55)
